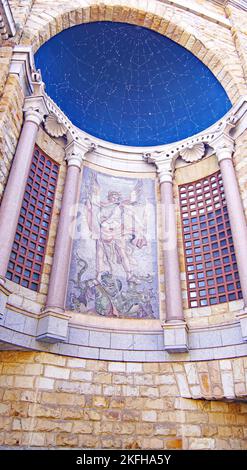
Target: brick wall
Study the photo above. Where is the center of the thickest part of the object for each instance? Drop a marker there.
(53, 401)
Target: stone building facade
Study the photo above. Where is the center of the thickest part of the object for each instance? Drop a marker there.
(174, 379)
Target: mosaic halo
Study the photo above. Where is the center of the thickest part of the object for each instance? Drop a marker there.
(129, 85)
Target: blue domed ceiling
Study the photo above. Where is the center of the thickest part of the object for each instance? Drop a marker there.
(130, 85)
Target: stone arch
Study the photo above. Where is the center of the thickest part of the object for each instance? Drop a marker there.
(41, 26)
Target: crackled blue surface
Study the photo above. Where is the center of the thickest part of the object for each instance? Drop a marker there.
(129, 85)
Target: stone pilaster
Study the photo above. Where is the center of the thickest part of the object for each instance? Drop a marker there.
(175, 330)
(223, 145)
(53, 323)
(34, 111)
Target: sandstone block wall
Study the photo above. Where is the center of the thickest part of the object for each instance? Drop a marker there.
(54, 401)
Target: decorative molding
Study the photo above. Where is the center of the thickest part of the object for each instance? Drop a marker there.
(7, 23)
(33, 115)
(54, 127)
(113, 156)
(75, 153)
(22, 65)
(92, 146)
(223, 146)
(37, 83)
(150, 157)
(223, 142)
(165, 165)
(169, 150)
(193, 153)
(227, 125)
(35, 109)
(19, 328)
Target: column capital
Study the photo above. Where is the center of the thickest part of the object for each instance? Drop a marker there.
(165, 170)
(35, 109)
(165, 165)
(223, 144)
(75, 153)
(33, 115)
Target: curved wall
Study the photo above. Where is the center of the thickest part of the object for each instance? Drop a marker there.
(214, 331)
(95, 398)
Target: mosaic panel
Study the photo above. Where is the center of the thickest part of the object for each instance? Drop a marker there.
(114, 259)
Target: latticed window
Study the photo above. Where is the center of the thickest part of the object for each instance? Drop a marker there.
(211, 268)
(28, 251)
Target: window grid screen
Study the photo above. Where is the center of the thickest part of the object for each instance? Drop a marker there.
(28, 251)
(211, 268)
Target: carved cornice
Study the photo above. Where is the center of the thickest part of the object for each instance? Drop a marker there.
(224, 146)
(191, 148)
(165, 171)
(164, 163)
(75, 153)
(194, 149)
(223, 142)
(35, 109)
(33, 115)
(111, 155)
(227, 125)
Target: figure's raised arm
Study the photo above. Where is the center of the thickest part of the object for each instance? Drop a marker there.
(135, 194)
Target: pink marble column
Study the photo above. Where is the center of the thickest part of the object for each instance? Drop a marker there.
(224, 147)
(174, 305)
(14, 191)
(61, 261)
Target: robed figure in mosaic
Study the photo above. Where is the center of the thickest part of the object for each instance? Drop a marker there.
(119, 229)
(123, 281)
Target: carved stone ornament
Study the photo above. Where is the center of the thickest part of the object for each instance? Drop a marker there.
(54, 126)
(36, 76)
(227, 125)
(90, 145)
(193, 153)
